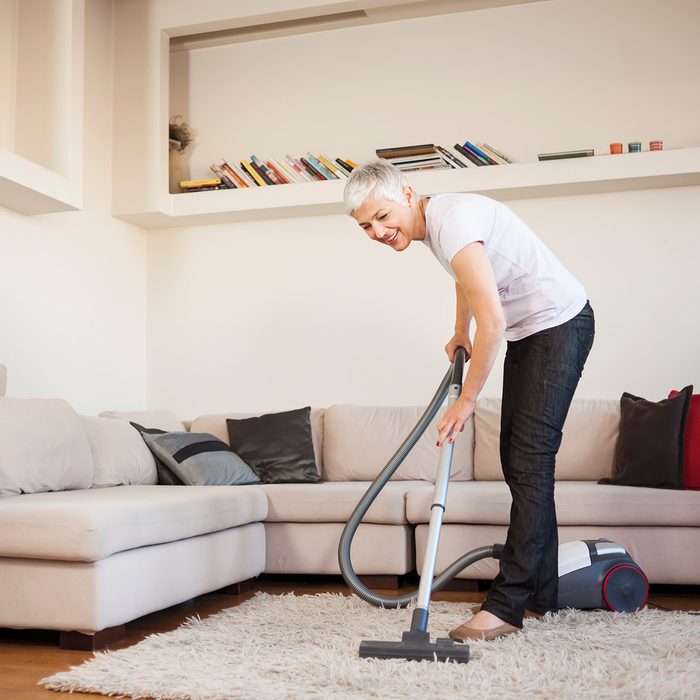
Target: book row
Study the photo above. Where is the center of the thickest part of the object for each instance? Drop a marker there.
(258, 172)
(428, 156)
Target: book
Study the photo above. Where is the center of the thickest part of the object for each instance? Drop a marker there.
(298, 168)
(344, 164)
(491, 154)
(248, 167)
(446, 154)
(313, 176)
(500, 154)
(289, 172)
(223, 176)
(280, 175)
(204, 188)
(269, 178)
(327, 174)
(468, 154)
(479, 153)
(583, 153)
(311, 170)
(235, 176)
(415, 162)
(241, 172)
(439, 164)
(330, 166)
(399, 151)
(211, 182)
(351, 163)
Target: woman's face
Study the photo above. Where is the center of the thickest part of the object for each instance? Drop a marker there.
(387, 222)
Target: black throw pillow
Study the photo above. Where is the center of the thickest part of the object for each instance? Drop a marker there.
(649, 449)
(277, 446)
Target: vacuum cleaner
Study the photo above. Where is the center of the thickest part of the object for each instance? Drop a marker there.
(592, 573)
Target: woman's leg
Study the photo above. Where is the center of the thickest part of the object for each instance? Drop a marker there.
(541, 373)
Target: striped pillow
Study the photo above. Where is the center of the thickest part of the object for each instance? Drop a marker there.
(198, 459)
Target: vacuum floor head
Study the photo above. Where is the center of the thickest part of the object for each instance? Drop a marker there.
(416, 646)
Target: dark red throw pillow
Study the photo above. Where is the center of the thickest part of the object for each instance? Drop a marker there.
(691, 444)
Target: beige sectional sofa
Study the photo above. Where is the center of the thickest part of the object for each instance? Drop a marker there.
(100, 544)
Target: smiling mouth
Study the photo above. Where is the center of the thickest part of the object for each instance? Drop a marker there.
(392, 238)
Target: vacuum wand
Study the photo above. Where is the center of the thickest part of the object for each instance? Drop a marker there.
(415, 644)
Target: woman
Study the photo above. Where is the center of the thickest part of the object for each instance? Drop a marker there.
(510, 283)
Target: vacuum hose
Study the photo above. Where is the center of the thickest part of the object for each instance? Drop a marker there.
(452, 377)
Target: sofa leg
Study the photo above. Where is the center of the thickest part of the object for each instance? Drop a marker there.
(239, 588)
(92, 642)
(462, 584)
(385, 581)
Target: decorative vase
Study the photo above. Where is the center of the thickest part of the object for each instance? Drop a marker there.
(175, 170)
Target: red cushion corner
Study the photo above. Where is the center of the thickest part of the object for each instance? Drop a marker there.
(691, 444)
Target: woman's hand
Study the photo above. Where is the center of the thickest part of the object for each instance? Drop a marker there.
(454, 419)
(458, 340)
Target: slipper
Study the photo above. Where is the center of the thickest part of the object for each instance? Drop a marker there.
(464, 633)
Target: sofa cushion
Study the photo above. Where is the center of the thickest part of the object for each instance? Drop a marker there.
(360, 440)
(691, 444)
(160, 419)
(119, 454)
(43, 447)
(215, 423)
(334, 502)
(587, 447)
(91, 524)
(577, 502)
(277, 446)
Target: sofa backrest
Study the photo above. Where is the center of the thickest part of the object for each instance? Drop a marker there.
(358, 441)
(587, 448)
(215, 424)
(119, 454)
(43, 447)
(161, 419)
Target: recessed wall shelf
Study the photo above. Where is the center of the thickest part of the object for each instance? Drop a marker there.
(41, 164)
(632, 171)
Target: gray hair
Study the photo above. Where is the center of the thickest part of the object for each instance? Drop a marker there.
(377, 179)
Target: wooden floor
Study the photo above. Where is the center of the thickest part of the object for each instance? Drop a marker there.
(27, 656)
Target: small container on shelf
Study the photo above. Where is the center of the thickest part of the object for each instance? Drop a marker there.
(656, 145)
(634, 147)
(615, 148)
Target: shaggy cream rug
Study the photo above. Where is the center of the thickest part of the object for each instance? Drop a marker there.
(306, 646)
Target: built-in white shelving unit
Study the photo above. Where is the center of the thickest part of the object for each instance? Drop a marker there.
(41, 153)
(630, 171)
(141, 192)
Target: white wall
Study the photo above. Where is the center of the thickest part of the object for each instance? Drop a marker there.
(72, 288)
(272, 315)
(42, 107)
(278, 314)
(8, 72)
(258, 316)
(548, 76)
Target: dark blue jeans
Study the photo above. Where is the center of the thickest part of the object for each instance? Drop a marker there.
(540, 376)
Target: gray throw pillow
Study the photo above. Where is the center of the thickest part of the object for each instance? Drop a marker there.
(199, 459)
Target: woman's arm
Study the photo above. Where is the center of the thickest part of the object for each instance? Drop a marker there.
(478, 291)
(463, 319)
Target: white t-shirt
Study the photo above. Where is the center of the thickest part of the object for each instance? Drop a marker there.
(536, 290)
